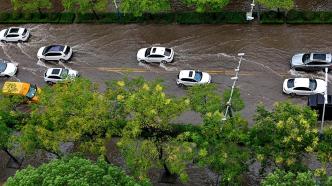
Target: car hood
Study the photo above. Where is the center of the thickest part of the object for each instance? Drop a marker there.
(321, 86)
(297, 59)
(141, 53)
(2, 32)
(206, 78)
(11, 68)
(40, 52)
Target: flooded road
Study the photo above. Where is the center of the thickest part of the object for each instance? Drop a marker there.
(108, 52)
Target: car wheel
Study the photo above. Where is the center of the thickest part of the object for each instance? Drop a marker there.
(3, 41)
(20, 41)
(163, 62)
(142, 61)
(292, 94)
(49, 82)
(181, 85)
(7, 76)
(62, 60)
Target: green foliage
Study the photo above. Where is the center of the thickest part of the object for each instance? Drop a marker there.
(69, 112)
(272, 17)
(207, 5)
(282, 136)
(308, 17)
(139, 7)
(73, 171)
(85, 5)
(280, 177)
(31, 5)
(273, 4)
(149, 111)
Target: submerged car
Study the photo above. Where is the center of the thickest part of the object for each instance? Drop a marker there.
(155, 55)
(304, 86)
(192, 77)
(28, 91)
(311, 61)
(56, 75)
(55, 53)
(14, 34)
(7, 69)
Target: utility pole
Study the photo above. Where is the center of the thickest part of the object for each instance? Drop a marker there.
(325, 102)
(235, 78)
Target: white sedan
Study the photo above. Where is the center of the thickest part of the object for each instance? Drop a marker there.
(56, 75)
(55, 53)
(155, 55)
(304, 86)
(14, 34)
(192, 77)
(7, 69)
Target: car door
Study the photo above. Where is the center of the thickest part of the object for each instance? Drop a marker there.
(52, 56)
(154, 58)
(54, 79)
(12, 37)
(302, 91)
(188, 81)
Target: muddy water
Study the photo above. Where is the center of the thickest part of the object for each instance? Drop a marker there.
(108, 52)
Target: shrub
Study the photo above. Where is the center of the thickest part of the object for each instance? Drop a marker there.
(272, 17)
(67, 17)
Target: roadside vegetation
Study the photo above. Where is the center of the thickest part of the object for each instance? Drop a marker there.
(139, 114)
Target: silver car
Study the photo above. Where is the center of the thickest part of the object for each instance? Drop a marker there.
(14, 34)
(304, 86)
(56, 75)
(192, 77)
(311, 61)
(55, 53)
(155, 55)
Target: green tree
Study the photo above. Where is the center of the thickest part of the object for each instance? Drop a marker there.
(31, 5)
(207, 5)
(138, 7)
(69, 112)
(10, 121)
(280, 177)
(84, 6)
(221, 144)
(273, 4)
(281, 138)
(73, 171)
(147, 140)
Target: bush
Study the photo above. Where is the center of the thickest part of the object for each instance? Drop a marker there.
(308, 17)
(272, 17)
(4, 16)
(67, 18)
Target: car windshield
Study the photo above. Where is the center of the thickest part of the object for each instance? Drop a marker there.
(147, 52)
(290, 83)
(64, 72)
(312, 84)
(306, 58)
(198, 76)
(32, 91)
(167, 52)
(25, 32)
(3, 66)
(67, 50)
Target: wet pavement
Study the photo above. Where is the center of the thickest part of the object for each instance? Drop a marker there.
(107, 52)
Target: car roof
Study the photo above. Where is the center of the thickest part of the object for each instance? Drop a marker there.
(55, 48)
(158, 50)
(187, 74)
(54, 71)
(301, 82)
(15, 30)
(323, 57)
(16, 87)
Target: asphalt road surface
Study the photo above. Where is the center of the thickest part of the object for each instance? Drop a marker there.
(108, 52)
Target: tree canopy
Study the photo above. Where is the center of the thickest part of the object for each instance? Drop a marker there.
(138, 7)
(207, 5)
(31, 5)
(274, 4)
(73, 171)
(280, 177)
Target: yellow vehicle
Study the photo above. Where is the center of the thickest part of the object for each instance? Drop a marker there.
(27, 90)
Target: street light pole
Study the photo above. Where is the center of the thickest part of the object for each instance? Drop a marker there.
(325, 102)
(235, 78)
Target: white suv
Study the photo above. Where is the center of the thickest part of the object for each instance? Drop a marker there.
(155, 55)
(55, 53)
(56, 75)
(192, 77)
(14, 34)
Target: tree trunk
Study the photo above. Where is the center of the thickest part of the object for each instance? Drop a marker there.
(39, 10)
(259, 13)
(96, 15)
(12, 157)
(218, 180)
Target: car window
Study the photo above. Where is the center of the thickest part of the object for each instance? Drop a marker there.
(198, 76)
(290, 83)
(317, 63)
(306, 58)
(147, 52)
(3, 67)
(321, 57)
(67, 50)
(64, 73)
(12, 35)
(25, 31)
(312, 84)
(167, 52)
(188, 80)
(32, 91)
(54, 77)
(53, 54)
(302, 88)
(156, 56)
